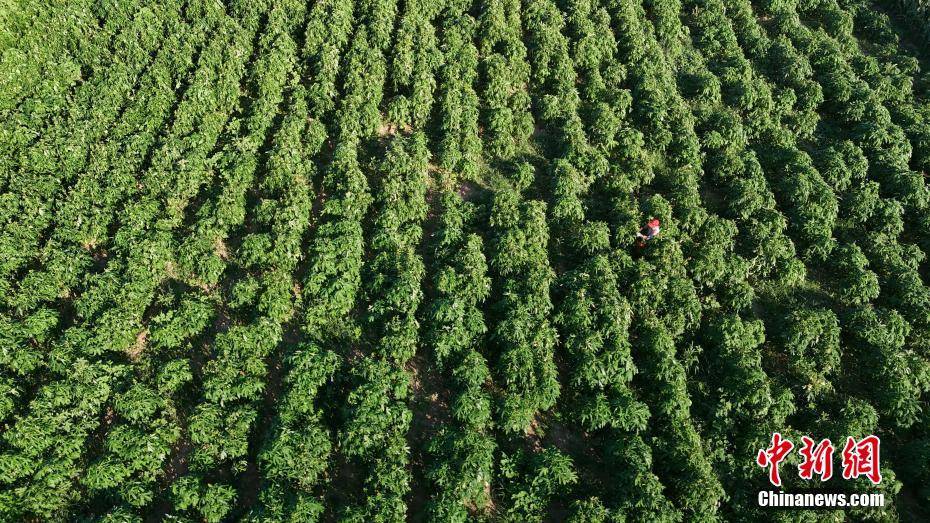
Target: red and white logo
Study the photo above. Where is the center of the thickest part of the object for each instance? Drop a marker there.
(816, 460)
(774, 455)
(859, 458)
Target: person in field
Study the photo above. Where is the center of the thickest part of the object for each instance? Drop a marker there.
(648, 232)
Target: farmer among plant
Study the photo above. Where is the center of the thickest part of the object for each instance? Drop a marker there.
(648, 232)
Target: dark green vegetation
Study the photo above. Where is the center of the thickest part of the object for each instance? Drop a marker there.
(373, 260)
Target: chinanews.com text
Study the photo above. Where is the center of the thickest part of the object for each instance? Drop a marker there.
(818, 500)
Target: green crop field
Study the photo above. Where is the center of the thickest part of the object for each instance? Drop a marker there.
(377, 260)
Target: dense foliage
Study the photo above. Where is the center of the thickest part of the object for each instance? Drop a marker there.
(376, 260)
